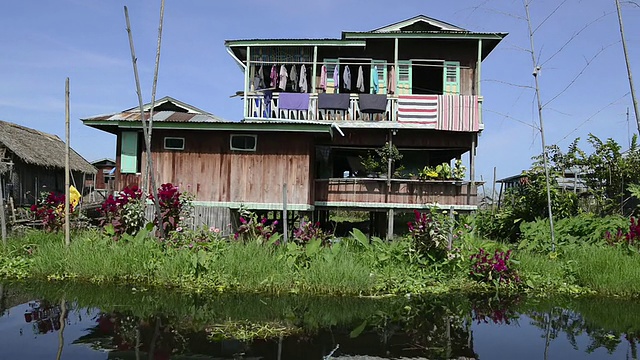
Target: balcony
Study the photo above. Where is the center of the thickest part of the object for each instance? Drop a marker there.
(439, 112)
(403, 193)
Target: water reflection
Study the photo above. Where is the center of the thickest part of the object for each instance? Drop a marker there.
(129, 323)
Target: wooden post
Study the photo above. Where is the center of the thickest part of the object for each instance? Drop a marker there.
(390, 211)
(13, 210)
(626, 58)
(247, 79)
(3, 220)
(493, 190)
(285, 222)
(67, 169)
(147, 139)
(451, 228)
(314, 70)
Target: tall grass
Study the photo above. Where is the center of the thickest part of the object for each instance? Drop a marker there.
(607, 270)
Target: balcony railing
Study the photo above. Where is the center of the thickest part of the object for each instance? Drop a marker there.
(403, 193)
(440, 112)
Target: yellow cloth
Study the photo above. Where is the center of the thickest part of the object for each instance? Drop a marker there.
(74, 197)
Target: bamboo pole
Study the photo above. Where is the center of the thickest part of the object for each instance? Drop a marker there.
(626, 59)
(536, 70)
(155, 85)
(3, 220)
(285, 220)
(152, 176)
(67, 193)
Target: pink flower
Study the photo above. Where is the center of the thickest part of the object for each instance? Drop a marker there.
(216, 230)
(212, 229)
(179, 229)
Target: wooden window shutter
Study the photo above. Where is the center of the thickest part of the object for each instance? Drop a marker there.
(404, 77)
(382, 76)
(451, 83)
(331, 65)
(129, 152)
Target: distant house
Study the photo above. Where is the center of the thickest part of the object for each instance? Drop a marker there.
(32, 161)
(105, 177)
(313, 108)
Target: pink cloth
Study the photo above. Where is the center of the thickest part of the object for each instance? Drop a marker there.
(392, 80)
(323, 78)
(273, 76)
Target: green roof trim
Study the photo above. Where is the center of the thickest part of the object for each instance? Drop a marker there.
(294, 42)
(423, 35)
(235, 126)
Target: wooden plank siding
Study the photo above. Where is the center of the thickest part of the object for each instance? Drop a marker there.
(210, 170)
(360, 190)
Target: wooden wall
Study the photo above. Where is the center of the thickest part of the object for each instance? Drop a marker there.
(407, 138)
(209, 169)
(402, 192)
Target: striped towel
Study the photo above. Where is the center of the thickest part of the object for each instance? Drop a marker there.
(418, 109)
(458, 113)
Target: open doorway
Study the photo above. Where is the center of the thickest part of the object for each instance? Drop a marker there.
(427, 77)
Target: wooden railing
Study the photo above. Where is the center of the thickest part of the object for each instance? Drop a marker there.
(451, 111)
(371, 191)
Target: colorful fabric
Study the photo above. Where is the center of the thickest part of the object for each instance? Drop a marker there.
(303, 79)
(458, 113)
(372, 103)
(323, 78)
(293, 101)
(273, 76)
(360, 82)
(376, 81)
(392, 81)
(418, 109)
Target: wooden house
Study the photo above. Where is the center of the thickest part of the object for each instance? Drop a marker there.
(32, 161)
(313, 109)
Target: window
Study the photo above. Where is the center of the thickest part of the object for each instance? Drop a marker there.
(174, 143)
(129, 152)
(244, 142)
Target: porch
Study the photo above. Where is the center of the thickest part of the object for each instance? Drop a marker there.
(375, 193)
(439, 112)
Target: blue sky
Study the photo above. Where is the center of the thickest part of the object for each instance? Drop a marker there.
(43, 42)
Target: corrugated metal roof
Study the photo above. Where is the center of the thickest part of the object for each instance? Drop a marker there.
(161, 116)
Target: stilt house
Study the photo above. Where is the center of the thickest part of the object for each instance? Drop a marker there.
(315, 112)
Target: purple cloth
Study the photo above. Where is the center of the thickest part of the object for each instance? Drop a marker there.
(293, 101)
(333, 101)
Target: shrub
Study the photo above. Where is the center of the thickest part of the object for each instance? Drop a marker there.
(629, 238)
(252, 229)
(494, 268)
(428, 234)
(50, 210)
(124, 213)
(308, 231)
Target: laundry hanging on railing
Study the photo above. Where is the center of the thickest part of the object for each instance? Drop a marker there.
(293, 101)
(273, 76)
(458, 113)
(333, 101)
(336, 78)
(346, 77)
(323, 78)
(360, 82)
(418, 109)
(284, 76)
(293, 77)
(372, 103)
(303, 79)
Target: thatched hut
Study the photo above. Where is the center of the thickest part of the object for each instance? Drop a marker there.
(32, 161)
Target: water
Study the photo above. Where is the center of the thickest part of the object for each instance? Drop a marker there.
(102, 322)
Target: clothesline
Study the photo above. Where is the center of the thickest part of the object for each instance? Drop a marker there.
(389, 63)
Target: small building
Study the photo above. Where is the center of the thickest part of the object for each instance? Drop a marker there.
(313, 109)
(32, 161)
(105, 176)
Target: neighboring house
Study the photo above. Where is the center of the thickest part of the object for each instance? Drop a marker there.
(415, 84)
(105, 176)
(32, 161)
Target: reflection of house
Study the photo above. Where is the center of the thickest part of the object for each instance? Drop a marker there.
(32, 161)
(415, 84)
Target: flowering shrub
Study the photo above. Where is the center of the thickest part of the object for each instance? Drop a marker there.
(124, 213)
(494, 268)
(172, 202)
(309, 231)
(428, 235)
(194, 239)
(50, 210)
(252, 229)
(630, 238)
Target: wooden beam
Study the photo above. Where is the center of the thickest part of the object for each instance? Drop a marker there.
(3, 220)
(67, 193)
